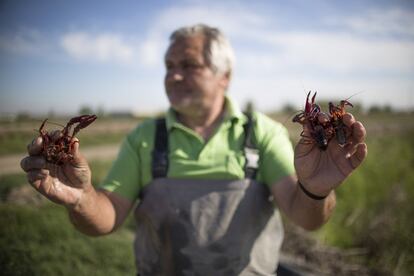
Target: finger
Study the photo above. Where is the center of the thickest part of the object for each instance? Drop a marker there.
(306, 129)
(35, 147)
(37, 177)
(52, 168)
(42, 182)
(78, 158)
(75, 146)
(348, 119)
(306, 144)
(358, 133)
(32, 162)
(359, 155)
(357, 137)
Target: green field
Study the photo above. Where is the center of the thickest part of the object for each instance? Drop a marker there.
(374, 213)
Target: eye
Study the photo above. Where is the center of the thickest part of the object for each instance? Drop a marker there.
(190, 65)
(168, 65)
(187, 65)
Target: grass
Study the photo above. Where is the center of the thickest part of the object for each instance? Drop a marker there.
(15, 142)
(9, 182)
(99, 170)
(41, 241)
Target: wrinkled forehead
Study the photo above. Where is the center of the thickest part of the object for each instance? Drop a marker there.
(192, 46)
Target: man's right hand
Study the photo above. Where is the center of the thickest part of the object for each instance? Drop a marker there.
(63, 184)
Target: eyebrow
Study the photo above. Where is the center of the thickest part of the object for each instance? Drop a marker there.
(186, 59)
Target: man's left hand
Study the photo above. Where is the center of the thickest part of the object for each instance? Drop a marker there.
(321, 171)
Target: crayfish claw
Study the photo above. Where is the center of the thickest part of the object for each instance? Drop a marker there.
(307, 104)
(345, 102)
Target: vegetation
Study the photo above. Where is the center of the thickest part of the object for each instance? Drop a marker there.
(9, 182)
(375, 209)
(374, 215)
(41, 241)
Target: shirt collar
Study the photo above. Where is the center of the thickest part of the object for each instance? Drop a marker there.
(233, 113)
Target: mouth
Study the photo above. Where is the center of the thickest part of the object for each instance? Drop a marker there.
(179, 96)
(178, 90)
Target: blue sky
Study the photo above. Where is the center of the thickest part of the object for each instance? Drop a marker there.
(59, 55)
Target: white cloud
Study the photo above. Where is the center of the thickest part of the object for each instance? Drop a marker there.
(151, 49)
(236, 22)
(340, 53)
(100, 47)
(155, 44)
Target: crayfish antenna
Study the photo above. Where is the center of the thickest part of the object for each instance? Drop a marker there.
(42, 125)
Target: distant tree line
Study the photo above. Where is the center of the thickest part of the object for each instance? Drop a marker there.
(289, 108)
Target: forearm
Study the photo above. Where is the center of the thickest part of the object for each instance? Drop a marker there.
(308, 212)
(299, 207)
(94, 214)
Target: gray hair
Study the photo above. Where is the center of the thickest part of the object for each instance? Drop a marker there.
(218, 52)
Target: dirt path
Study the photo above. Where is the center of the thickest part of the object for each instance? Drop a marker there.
(11, 163)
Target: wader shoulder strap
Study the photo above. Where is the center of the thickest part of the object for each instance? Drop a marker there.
(160, 151)
(251, 153)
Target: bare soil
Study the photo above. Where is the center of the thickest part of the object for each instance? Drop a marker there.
(305, 255)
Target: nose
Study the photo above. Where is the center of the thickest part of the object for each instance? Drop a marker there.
(174, 75)
(178, 77)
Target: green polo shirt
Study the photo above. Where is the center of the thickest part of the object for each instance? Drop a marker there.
(191, 157)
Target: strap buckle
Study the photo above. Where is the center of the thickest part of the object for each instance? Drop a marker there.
(252, 157)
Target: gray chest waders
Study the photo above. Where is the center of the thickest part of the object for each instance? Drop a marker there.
(206, 227)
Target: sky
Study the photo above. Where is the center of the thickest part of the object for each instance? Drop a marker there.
(57, 56)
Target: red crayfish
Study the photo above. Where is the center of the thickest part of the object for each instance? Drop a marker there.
(323, 132)
(58, 146)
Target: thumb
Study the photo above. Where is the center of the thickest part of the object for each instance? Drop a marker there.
(306, 143)
(306, 135)
(78, 159)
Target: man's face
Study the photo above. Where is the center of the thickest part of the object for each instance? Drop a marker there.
(191, 85)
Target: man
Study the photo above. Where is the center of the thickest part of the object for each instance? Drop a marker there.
(205, 209)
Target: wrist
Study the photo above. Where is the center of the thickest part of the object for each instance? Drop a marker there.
(311, 194)
(81, 199)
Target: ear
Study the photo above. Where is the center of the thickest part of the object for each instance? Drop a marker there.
(225, 80)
